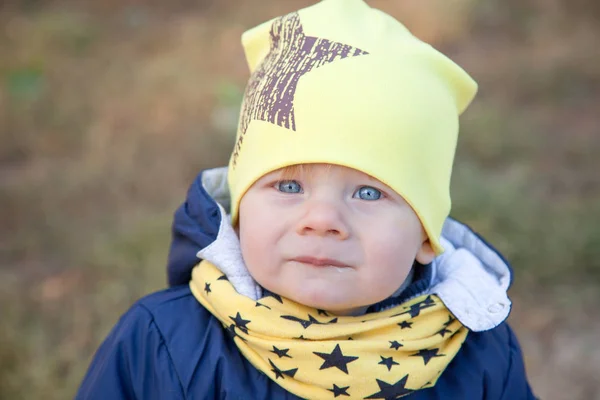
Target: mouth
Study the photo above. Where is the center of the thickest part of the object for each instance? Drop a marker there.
(320, 262)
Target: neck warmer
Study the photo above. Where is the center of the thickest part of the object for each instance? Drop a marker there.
(316, 355)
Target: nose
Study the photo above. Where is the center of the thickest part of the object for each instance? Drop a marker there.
(322, 218)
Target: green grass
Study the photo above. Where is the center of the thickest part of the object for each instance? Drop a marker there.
(525, 204)
(60, 319)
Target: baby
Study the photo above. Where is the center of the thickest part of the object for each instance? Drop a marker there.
(322, 263)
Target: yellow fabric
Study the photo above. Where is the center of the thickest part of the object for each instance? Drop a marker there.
(342, 83)
(316, 355)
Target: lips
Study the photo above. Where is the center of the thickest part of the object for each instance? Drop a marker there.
(320, 262)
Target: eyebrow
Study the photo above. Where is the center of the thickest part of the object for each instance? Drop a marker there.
(373, 179)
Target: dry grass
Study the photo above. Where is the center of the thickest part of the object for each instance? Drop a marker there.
(109, 109)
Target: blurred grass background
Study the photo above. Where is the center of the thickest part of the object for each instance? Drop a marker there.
(109, 109)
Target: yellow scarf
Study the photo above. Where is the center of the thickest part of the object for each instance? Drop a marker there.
(315, 355)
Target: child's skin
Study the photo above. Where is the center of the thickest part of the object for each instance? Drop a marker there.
(329, 237)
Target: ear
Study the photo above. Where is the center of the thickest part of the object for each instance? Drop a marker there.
(425, 254)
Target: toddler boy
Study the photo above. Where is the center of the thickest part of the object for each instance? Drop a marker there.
(322, 263)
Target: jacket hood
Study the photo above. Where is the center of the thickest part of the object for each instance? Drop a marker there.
(470, 277)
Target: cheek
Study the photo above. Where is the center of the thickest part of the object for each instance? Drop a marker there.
(253, 239)
(254, 253)
(250, 243)
(391, 252)
(258, 238)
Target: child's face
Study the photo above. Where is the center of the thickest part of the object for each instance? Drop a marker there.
(329, 237)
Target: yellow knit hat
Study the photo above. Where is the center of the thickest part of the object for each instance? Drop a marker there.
(343, 83)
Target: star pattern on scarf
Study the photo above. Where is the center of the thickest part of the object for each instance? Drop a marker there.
(395, 345)
(307, 322)
(426, 384)
(232, 333)
(428, 354)
(389, 391)
(280, 374)
(223, 278)
(388, 362)
(259, 304)
(281, 352)
(304, 322)
(443, 331)
(416, 308)
(241, 323)
(273, 295)
(336, 359)
(405, 324)
(451, 319)
(393, 351)
(339, 391)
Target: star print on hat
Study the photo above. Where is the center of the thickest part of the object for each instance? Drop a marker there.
(271, 89)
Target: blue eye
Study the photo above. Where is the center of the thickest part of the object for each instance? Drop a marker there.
(367, 193)
(289, 187)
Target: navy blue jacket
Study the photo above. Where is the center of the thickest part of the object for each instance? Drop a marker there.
(167, 346)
